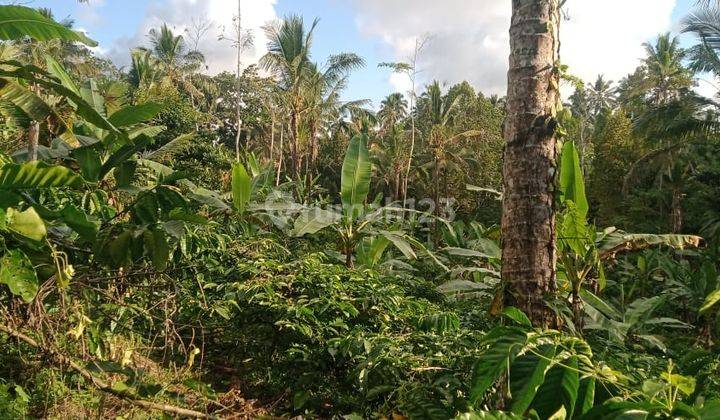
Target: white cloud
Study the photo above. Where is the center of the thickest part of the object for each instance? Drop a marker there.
(469, 38)
(181, 14)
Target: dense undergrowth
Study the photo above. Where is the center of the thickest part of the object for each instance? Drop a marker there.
(148, 271)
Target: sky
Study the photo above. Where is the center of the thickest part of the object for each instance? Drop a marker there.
(466, 39)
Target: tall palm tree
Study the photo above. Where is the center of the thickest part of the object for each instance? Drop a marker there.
(289, 60)
(390, 155)
(169, 59)
(705, 24)
(667, 78)
(528, 220)
(440, 110)
(600, 95)
(392, 109)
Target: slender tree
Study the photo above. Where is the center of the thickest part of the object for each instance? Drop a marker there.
(410, 69)
(528, 220)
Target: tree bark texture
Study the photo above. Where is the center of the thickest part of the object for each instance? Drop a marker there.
(530, 160)
(32, 141)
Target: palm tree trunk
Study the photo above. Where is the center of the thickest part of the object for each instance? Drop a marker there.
(294, 145)
(314, 148)
(32, 141)
(397, 186)
(272, 138)
(280, 153)
(528, 219)
(676, 209)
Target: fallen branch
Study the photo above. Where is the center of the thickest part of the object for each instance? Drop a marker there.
(101, 384)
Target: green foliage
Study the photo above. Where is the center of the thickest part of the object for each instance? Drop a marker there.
(18, 22)
(35, 175)
(138, 246)
(355, 179)
(241, 187)
(18, 274)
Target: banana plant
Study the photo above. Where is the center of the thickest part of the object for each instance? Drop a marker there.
(582, 250)
(357, 224)
(19, 22)
(546, 371)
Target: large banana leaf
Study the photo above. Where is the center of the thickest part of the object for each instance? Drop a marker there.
(710, 301)
(91, 94)
(399, 241)
(370, 250)
(33, 74)
(57, 70)
(355, 178)
(618, 242)
(313, 220)
(20, 96)
(18, 22)
(572, 185)
(135, 114)
(241, 187)
(34, 175)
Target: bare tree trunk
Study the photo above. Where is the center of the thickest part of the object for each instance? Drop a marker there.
(272, 138)
(32, 141)
(314, 148)
(528, 220)
(238, 101)
(280, 153)
(237, 141)
(419, 44)
(397, 186)
(294, 145)
(676, 209)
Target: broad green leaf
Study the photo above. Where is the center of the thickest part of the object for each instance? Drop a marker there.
(241, 187)
(596, 302)
(464, 252)
(313, 220)
(36, 175)
(57, 70)
(91, 94)
(517, 315)
(119, 249)
(89, 161)
(572, 185)
(18, 22)
(527, 373)
(157, 248)
(83, 108)
(17, 272)
(370, 250)
(34, 107)
(26, 223)
(122, 154)
(574, 231)
(78, 221)
(135, 114)
(210, 198)
(400, 243)
(171, 148)
(619, 242)
(355, 178)
(124, 173)
(495, 360)
(623, 410)
(710, 301)
(560, 389)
